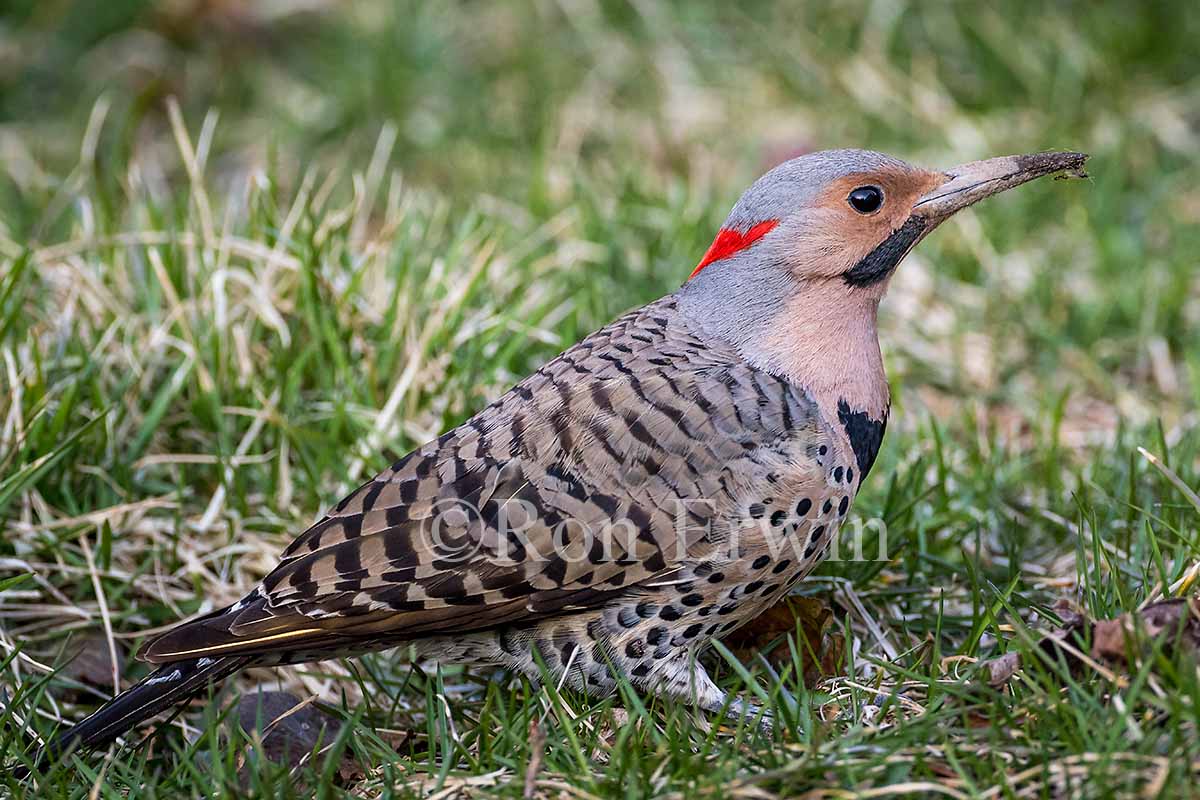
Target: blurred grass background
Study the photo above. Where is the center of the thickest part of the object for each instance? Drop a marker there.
(249, 251)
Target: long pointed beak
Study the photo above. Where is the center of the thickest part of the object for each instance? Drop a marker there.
(970, 183)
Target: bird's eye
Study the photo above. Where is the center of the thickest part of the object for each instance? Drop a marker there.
(866, 199)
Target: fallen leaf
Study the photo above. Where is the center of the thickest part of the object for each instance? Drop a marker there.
(820, 648)
(1100, 644)
(1175, 623)
(1000, 670)
(288, 729)
(90, 662)
(1108, 639)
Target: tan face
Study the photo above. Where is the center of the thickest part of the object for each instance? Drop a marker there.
(794, 277)
(852, 216)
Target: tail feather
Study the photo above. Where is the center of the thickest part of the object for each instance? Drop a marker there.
(170, 684)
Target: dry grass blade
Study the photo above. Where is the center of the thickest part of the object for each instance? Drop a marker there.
(537, 741)
(1170, 475)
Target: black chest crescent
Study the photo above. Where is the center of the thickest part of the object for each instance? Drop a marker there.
(865, 434)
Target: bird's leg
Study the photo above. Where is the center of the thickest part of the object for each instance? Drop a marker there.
(685, 679)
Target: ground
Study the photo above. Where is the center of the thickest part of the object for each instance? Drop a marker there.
(251, 252)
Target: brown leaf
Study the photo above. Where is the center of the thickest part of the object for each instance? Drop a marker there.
(1173, 623)
(1000, 670)
(1070, 616)
(289, 731)
(1108, 639)
(820, 649)
(90, 661)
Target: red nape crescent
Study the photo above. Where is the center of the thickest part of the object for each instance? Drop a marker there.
(729, 241)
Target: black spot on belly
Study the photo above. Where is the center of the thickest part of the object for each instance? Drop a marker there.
(866, 435)
(814, 542)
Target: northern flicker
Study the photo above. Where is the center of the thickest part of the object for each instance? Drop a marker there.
(654, 486)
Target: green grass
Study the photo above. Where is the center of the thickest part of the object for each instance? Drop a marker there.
(366, 220)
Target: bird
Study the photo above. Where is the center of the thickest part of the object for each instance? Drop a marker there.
(653, 487)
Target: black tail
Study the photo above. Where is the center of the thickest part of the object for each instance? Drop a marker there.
(170, 684)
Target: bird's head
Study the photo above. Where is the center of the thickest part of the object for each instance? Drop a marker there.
(795, 275)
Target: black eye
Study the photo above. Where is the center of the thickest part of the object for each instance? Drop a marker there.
(866, 199)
